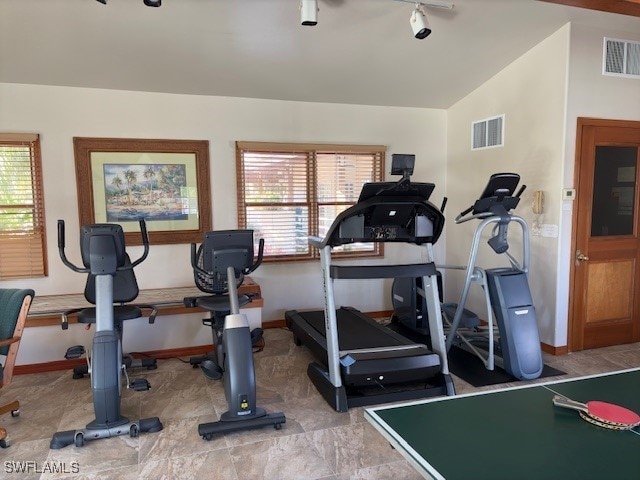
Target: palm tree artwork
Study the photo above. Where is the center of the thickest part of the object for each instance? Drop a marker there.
(149, 191)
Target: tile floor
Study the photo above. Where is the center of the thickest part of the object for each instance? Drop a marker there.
(315, 442)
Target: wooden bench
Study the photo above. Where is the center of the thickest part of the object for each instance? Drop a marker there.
(47, 310)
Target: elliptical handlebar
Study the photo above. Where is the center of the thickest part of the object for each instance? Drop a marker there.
(459, 218)
(63, 256)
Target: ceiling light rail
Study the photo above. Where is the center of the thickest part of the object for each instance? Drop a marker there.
(148, 3)
(432, 3)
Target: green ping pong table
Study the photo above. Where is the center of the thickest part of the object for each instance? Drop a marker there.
(517, 433)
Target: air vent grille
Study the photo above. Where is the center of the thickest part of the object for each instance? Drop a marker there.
(621, 58)
(487, 133)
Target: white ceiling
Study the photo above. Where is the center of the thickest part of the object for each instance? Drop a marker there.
(361, 51)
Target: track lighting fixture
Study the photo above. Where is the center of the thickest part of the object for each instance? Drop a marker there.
(308, 12)
(419, 23)
(418, 20)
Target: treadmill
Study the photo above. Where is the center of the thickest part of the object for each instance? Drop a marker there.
(360, 362)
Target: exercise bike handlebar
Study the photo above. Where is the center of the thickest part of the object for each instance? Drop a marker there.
(258, 261)
(145, 243)
(63, 256)
(444, 204)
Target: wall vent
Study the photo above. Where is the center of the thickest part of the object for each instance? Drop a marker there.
(621, 58)
(487, 133)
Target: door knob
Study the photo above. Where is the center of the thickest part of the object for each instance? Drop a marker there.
(580, 257)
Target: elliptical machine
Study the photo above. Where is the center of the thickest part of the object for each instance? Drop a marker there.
(219, 266)
(506, 290)
(103, 255)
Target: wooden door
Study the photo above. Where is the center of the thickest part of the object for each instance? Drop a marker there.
(605, 294)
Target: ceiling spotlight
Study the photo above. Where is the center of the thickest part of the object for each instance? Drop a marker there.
(152, 3)
(419, 23)
(309, 12)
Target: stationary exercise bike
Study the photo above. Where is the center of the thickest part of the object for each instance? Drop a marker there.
(219, 267)
(103, 255)
(125, 291)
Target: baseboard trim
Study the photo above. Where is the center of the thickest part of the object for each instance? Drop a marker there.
(274, 324)
(550, 349)
(57, 365)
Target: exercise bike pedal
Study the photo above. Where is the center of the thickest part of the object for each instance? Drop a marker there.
(74, 352)
(256, 335)
(211, 369)
(140, 385)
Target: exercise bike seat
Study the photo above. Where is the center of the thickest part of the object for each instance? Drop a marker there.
(125, 289)
(219, 303)
(120, 313)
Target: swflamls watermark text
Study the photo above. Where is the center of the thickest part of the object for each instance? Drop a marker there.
(11, 466)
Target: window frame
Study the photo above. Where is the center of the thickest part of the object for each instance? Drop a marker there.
(24, 238)
(312, 202)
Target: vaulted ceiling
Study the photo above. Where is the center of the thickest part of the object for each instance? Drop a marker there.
(361, 51)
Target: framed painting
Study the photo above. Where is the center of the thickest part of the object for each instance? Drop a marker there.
(165, 182)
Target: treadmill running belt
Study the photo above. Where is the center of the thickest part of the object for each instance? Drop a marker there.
(353, 332)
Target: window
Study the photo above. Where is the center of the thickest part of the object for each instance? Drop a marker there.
(287, 192)
(22, 231)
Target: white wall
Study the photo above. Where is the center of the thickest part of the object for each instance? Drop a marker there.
(59, 113)
(531, 93)
(590, 94)
(539, 144)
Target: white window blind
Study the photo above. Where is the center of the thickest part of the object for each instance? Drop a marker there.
(22, 225)
(287, 192)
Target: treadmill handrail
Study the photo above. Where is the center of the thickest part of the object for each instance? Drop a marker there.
(354, 272)
(316, 241)
(393, 348)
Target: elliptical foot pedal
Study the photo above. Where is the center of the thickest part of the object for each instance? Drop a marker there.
(140, 385)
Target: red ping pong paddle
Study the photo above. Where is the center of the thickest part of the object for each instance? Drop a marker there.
(603, 414)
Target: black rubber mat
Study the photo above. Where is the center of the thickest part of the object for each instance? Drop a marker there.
(470, 368)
